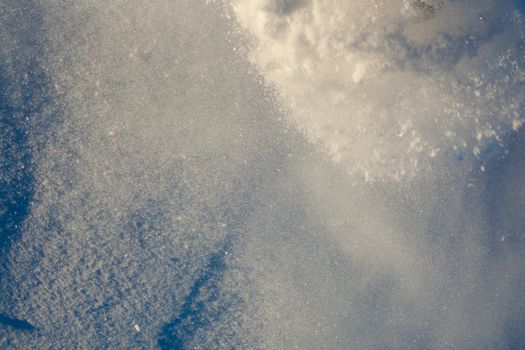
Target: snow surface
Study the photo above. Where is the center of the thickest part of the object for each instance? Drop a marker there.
(255, 174)
(393, 89)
